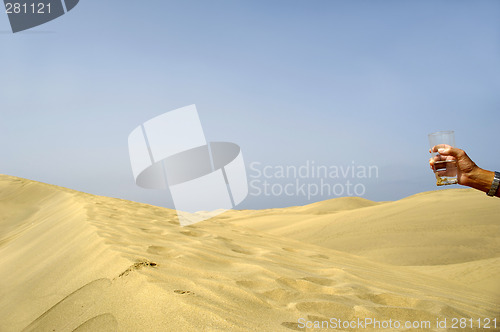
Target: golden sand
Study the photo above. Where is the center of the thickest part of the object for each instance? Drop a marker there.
(71, 261)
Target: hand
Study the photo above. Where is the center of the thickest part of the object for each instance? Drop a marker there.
(466, 170)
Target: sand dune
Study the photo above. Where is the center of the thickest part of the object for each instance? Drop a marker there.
(432, 228)
(71, 261)
(451, 233)
(482, 274)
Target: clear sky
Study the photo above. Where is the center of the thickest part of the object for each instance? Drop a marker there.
(333, 83)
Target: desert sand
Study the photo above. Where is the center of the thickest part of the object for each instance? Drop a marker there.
(71, 261)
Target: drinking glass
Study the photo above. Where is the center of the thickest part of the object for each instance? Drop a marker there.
(445, 167)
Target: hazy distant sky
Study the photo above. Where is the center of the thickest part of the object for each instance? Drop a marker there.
(329, 82)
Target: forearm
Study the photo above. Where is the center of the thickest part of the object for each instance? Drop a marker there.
(481, 179)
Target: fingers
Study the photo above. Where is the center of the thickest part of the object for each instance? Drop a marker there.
(451, 152)
(435, 148)
(447, 150)
(439, 157)
(440, 162)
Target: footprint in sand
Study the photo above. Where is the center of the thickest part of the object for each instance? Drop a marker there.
(191, 233)
(150, 230)
(319, 256)
(238, 249)
(158, 250)
(293, 326)
(183, 292)
(223, 239)
(241, 251)
(320, 281)
(327, 309)
(137, 266)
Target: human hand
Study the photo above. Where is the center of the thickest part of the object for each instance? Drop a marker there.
(466, 170)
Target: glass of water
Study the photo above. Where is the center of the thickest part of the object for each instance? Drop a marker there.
(445, 167)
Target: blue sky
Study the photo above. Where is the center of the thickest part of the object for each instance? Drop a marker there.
(333, 82)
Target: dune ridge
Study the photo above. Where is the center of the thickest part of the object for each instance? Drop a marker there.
(91, 262)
